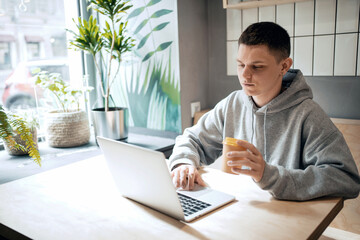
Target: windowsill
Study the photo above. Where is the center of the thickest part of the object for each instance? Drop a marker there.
(16, 167)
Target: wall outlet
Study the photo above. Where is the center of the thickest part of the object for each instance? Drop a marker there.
(195, 107)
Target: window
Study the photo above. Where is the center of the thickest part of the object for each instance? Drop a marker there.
(5, 58)
(33, 50)
(58, 45)
(33, 35)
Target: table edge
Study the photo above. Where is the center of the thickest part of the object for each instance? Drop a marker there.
(327, 220)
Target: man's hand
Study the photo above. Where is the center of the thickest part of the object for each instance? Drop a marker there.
(252, 159)
(185, 176)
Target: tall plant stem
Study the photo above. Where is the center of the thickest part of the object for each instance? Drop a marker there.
(99, 72)
(109, 71)
(113, 79)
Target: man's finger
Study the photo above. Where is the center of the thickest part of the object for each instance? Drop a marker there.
(183, 177)
(248, 146)
(191, 178)
(248, 172)
(241, 154)
(176, 178)
(245, 162)
(199, 180)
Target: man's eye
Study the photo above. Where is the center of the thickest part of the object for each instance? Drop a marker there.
(241, 65)
(257, 67)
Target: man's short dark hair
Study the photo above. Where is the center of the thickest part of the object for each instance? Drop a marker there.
(270, 34)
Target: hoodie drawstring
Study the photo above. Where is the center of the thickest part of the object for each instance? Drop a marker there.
(253, 129)
(265, 134)
(252, 126)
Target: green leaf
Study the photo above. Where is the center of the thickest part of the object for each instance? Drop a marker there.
(142, 24)
(107, 25)
(143, 41)
(38, 81)
(163, 46)
(160, 26)
(153, 2)
(146, 78)
(136, 12)
(160, 13)
(148, 56)
(53, 87)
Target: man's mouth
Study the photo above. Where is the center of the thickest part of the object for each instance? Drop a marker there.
(248, 84)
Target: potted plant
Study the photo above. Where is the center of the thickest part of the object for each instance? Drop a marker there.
(68, 126)
(106, 45)
(19, 136)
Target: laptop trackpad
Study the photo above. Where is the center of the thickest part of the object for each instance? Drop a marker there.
(196, 192)
(207, 194)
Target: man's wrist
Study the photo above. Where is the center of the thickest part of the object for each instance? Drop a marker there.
(180, 161)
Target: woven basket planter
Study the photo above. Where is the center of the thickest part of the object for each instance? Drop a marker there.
(17, 138)
(67, 129)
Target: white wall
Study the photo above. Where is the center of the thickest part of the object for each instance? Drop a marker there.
(324, 34)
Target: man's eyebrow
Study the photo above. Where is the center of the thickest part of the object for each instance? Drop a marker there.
(255, 62)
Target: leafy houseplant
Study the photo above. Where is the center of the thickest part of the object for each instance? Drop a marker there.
(67, 126)
(105, 45)
(92, 39)
(12, 128)
(67, 98)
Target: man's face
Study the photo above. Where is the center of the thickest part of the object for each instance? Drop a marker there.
(259, 73)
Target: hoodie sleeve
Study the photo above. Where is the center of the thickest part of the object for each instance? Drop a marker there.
(328, 168)
(201, 143)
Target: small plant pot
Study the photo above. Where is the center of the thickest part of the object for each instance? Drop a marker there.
(18, 152)
(67, 129)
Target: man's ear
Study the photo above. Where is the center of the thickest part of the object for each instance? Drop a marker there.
(286, 64)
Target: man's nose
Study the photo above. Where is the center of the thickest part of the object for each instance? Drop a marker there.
(246, 72)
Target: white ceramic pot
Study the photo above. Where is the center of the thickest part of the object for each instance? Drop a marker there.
(67, 129)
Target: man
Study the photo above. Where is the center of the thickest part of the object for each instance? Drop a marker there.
(293, 149)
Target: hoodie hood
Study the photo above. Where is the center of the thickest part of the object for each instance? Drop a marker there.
(296, 90)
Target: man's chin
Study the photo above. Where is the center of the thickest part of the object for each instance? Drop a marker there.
(250, 94)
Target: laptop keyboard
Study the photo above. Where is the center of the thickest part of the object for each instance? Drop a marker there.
(191, 205)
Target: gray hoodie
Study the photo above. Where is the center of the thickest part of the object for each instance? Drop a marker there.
(306, 155)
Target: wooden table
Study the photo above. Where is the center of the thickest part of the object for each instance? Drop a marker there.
(80, 201)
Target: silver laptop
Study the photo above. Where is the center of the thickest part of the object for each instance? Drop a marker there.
(142, 175)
